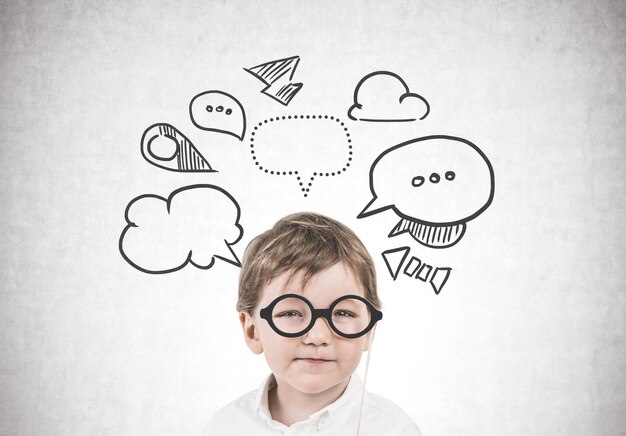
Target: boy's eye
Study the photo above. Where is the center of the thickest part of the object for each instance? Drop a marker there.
(344, 313)
(288, 314)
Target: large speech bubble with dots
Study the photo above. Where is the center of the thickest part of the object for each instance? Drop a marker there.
(435, 184)
(303, 147)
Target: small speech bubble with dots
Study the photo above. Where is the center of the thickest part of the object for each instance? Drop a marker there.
(303, 147)
(220, 112)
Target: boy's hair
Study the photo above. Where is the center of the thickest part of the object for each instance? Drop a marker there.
(307, 242)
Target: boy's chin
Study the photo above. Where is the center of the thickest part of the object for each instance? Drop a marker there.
(313, 384)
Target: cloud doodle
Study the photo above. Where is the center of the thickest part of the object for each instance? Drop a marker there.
(382, 96)
(194, 225)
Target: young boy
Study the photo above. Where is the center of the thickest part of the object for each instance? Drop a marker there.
(308, 301)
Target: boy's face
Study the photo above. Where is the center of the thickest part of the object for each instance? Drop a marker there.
(319, 359)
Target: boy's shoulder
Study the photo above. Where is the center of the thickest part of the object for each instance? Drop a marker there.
(237, 411)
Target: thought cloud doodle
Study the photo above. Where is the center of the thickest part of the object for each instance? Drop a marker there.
(321, 148)
(382, 96)
(435, 184)
(220, 112)
(277, 75)
(164, 146)
(195, 225)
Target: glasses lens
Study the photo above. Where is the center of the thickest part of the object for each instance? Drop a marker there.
(291, 315)
(351, 316)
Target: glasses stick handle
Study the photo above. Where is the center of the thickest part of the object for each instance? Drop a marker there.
(367, 367)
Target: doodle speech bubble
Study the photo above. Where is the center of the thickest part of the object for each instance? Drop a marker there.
(218, 111)
(195, 225)
(435, 184)
(304, 147)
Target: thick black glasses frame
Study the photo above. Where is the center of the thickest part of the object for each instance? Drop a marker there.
(327, 314)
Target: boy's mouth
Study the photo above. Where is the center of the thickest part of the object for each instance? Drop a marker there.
(313, 361)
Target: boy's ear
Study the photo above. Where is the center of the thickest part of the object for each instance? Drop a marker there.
(250, 333)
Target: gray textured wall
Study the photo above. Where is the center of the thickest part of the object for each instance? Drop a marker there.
(528, 336)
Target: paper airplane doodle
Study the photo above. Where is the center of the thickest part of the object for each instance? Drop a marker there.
(382, 96)
(394, 259)
(166, 147)
(194, 225)
(218, 111)
(435, 184)
(277, 75)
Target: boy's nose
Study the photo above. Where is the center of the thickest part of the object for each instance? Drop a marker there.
(320, 333)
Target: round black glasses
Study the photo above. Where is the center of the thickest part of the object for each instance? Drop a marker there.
(292, 315)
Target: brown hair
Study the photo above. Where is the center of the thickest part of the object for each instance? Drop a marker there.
(307, 242)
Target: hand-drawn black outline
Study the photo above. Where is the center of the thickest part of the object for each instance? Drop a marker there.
(402, 227)
(295, 172)
(407, 93)
(437, 287)
(187, 261)
(386, 253)
(410, 270)
(431, 236)
(188, 158)
(421, 276)
(438, 277)
(274, 75)
(215, 91)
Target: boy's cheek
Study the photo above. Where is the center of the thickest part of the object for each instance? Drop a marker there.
(277, 358)
(272, 345)
(352, 353)
(367, 341)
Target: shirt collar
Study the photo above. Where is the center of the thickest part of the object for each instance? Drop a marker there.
(351, 394)
(261, 401)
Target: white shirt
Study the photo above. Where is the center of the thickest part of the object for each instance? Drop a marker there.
(250, 415)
